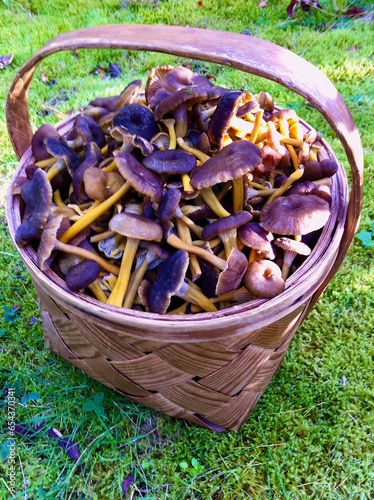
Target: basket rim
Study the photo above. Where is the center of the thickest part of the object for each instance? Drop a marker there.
(147, 324)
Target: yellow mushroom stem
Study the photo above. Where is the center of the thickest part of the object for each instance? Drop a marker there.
(261, 138)
(86, 254)
(180, 310)
(286, 184)
(211, 243)
(256, 185)
(94, 214)
(120, 288)
(237, 194)
(195, 296)
(104, 150)
(109, 281)
(176, 242)
(296, 132)
(312, 155)
(57, 199)
(112, 167)
(298, 237)
(213, 203)
(98, 291)
(169, 124)
(102, 236)
(252, 256)
(257, 125)
(224, 190)
(241, 294)
(283, 127)
(193, 151)
(292, 142)
(229, 240)
(46, 163)
(185, 235)
(134, 283)
(241, 125)
(197, 230)
(294, 158)
(56, 168)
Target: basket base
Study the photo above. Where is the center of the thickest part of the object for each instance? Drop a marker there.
(218, 393)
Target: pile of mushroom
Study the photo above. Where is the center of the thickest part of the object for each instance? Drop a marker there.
(183, 198)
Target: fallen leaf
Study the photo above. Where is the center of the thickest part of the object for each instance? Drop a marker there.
(127, 482)
(5, 61)
(44, 77)
(304, 4)
(245, 32)
(75, 53)
(354, 11)
(69, 447)
(263, 4)
(200, 4)
(114, 70)
(352, 48)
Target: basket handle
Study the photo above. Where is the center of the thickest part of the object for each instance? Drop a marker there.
(245, 53)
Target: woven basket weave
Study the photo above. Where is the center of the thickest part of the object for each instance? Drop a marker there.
(208, 368)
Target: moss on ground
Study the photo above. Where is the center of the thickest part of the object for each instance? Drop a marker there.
(311, 434)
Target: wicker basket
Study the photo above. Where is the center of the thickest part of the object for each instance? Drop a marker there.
(209, 368)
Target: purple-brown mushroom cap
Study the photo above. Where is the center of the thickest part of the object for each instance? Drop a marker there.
(290, 245)
(225, 224)
(141, 178)
(60, 150)
(230, 278)
(170, 161)
(137, 119)
(295, 214)
(37, 142)
(37, 195)
(232, 162)
(171, 275)
(136, 226)
(82, 275)
(263, 278)
(254, 236)
(169, 204)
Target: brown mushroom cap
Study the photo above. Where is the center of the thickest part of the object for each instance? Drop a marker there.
(263, 278)
(62, 151)
(82, 275)
(92, 156)
(37, 195)
(225, 224)
(170, 161)
(141, 178)
(129, 95)
(295, 214)
(254, 236)
(230, 278)
(100, 185)
(171, 275)
(136, 226)
(232, 162)
(37, 142)
(137, 119)
(290, 245)
(226, 109)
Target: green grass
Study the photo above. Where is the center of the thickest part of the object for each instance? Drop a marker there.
(311, 434)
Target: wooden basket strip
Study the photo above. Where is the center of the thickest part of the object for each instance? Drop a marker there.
(151, 372)
(110, 344)
(197, 359)
(273, 335)
(231, 378)
(194, 397)
(236, 412)
(161, 403)
(46, 302)
(72, 337)
(53, 340)
(262, 378)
